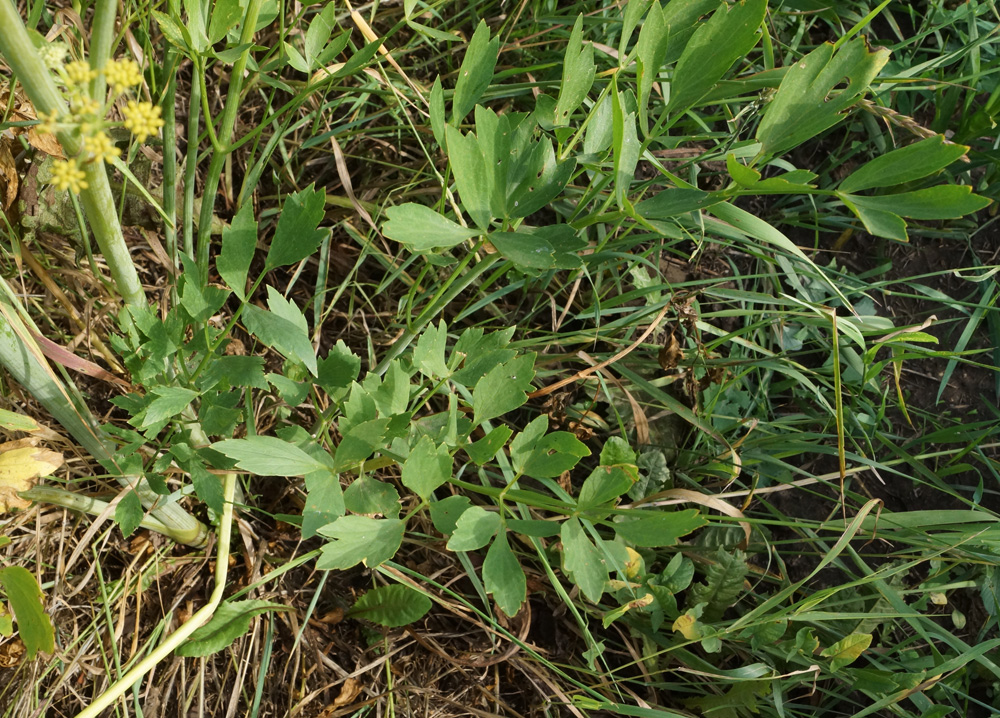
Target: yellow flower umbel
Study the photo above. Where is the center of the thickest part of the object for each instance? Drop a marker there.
(122, 74)
(142, 119)
(100, 147)
(79, 74)
(67, 175)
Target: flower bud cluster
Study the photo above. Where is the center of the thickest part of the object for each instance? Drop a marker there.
(86, 115)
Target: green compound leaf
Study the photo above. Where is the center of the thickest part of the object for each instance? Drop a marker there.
(504, 577)
(324, 501)
(169, 402)
(446, 512)
(503, 389)
(269, 456)
(129, 513)
(577, 76)
(297, 234)
(474, 529)
(281, 334)
(422, 229)
(230, 621)
(25, 597)
(470, 175)
(582, 560)
(359, 539)
(906, 164)
(391, 606)
(661, 529)
(427, 467)
(476, 72)
(484, 450)
(544, 456)
(723, 583)
(372, 497)
(806, 102)
(428, 355)
(719, 42)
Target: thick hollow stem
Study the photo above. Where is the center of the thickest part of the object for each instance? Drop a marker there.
(98, 202)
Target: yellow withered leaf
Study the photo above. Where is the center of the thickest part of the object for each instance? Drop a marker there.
(21, 463)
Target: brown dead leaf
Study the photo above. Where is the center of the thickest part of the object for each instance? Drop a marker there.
(9, 182)
(10, 653)
(670, 353)
(45, 142)
(348, 692)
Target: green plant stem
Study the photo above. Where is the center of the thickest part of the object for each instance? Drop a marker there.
(170, 158)
(175, 639)
(191, 166)
(225, 135)
(102, 36)
(89, 505)
(98, 202)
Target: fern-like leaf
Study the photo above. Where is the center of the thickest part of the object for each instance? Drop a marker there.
(724, 584)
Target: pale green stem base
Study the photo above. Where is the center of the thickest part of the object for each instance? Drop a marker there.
(175, 639)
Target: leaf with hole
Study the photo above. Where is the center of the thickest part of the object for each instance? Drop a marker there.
(446, 512)
(503, 388)
(476, 72)
(816, 92)
(577, 75)
(543, 455)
